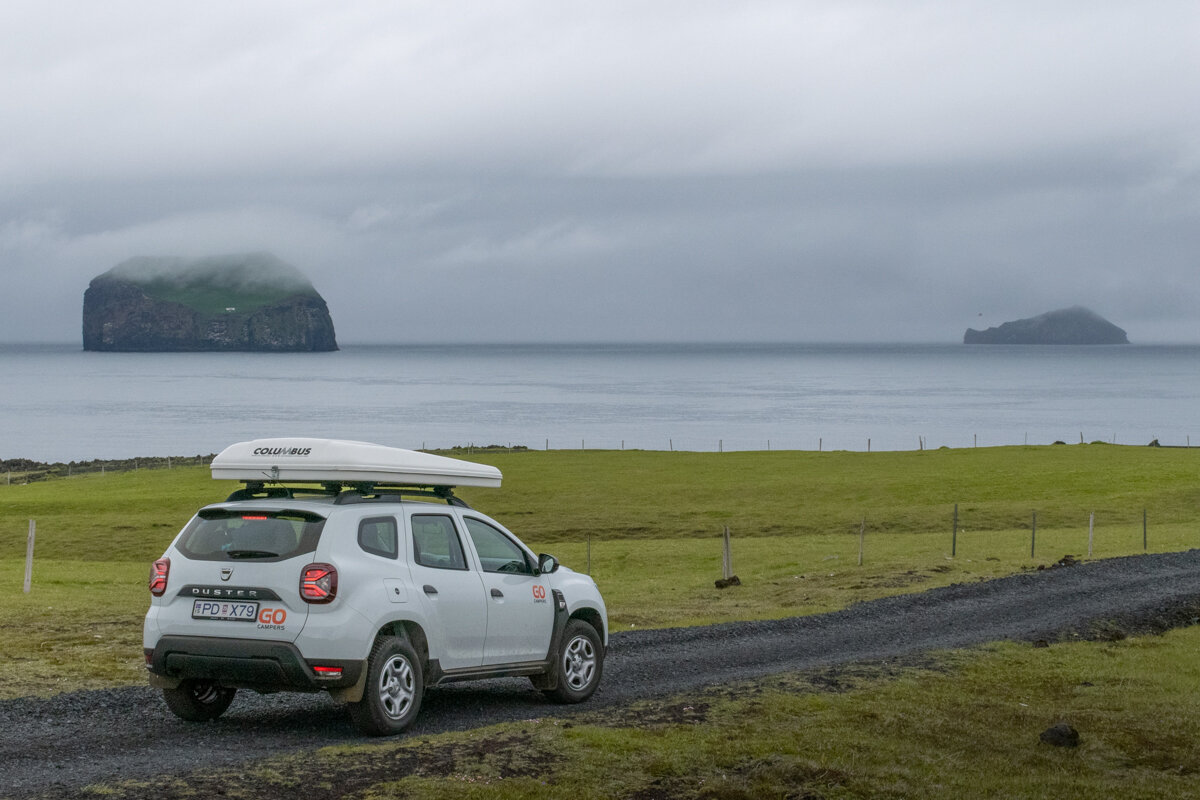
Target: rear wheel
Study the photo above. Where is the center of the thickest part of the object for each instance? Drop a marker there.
(198, 700)
(580, 663)
(395, 685)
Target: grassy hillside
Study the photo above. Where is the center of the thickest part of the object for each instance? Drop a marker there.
(568, 496)
(217, 299)
(565, 495)
(213, 284)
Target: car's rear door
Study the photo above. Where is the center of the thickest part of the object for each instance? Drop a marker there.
(450, 589)
(235, 574)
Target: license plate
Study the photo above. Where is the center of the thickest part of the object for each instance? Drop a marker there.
(224, 609)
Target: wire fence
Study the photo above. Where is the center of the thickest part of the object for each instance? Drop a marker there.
(818, 444)
(22, 470)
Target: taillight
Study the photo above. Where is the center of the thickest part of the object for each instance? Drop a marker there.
(318, 583)
(158, 576)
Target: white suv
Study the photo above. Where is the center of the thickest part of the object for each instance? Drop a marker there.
(352, 568)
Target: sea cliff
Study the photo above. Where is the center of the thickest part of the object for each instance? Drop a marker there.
(252, 302)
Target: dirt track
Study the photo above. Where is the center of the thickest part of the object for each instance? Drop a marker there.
(57, 745)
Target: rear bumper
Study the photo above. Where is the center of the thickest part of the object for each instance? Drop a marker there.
(245, 664)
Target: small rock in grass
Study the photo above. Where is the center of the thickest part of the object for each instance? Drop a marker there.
(725, 583)
(1060, 735)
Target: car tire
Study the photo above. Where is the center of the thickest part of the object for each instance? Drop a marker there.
(395, 685)
(580, 663)
(198, 700)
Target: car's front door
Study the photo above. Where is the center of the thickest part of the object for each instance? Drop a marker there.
(520, 605)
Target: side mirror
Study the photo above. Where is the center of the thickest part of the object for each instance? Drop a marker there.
(547, 564)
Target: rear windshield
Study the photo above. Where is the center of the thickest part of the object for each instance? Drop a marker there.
(219, 534)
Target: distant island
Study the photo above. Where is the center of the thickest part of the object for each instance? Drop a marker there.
(1075, 325)
(249, 302)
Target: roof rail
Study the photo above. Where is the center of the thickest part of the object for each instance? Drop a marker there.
(368, 493)
(259, 491)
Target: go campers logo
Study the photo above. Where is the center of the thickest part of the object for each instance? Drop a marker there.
(272, 618)
(282, 451)
(539, 593)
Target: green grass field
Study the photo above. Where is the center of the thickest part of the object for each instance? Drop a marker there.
(652, 523)
(648, 525)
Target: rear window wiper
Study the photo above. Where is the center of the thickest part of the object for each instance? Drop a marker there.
(251, 554)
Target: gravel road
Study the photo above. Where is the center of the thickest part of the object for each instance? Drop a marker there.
(58, 744)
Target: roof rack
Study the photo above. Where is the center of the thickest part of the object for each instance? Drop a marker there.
(347, 493)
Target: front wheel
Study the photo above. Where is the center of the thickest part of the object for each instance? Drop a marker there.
(198, 701)
(395, 684)
(580, 663)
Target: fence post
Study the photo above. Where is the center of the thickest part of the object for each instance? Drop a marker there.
(29, 557)
(726, 557)
(954, 535)
(862, 532)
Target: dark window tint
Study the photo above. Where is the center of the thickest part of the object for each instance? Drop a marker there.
(228, 535)
(435, 542)
(378, 535)
(497, 552)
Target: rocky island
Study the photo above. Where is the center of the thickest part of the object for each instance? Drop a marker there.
(250, 302)
(1075, 325)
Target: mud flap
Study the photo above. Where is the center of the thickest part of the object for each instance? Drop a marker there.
(548, 680)
(163, 682)
(351, 694)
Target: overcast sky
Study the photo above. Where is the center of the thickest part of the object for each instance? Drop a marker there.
(579, 171)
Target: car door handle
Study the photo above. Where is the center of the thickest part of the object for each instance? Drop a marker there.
(429, 589)
(497, 593)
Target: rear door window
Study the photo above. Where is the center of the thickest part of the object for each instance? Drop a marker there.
(229, 535)
(436, 543)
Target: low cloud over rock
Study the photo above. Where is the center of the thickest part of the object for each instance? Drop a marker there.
(251, 302)
(1076, 325)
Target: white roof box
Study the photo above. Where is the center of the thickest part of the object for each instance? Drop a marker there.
(301, 460)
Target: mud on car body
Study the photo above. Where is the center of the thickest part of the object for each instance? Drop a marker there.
(354, 569)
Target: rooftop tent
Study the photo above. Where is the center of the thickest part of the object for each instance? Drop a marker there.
(305, 460)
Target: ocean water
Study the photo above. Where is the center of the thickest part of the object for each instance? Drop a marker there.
(61, 404)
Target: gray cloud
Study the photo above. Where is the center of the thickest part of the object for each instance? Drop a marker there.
(541, 170)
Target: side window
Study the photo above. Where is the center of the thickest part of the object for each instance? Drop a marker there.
(378, 535)
(497, 552)
(435, 542)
